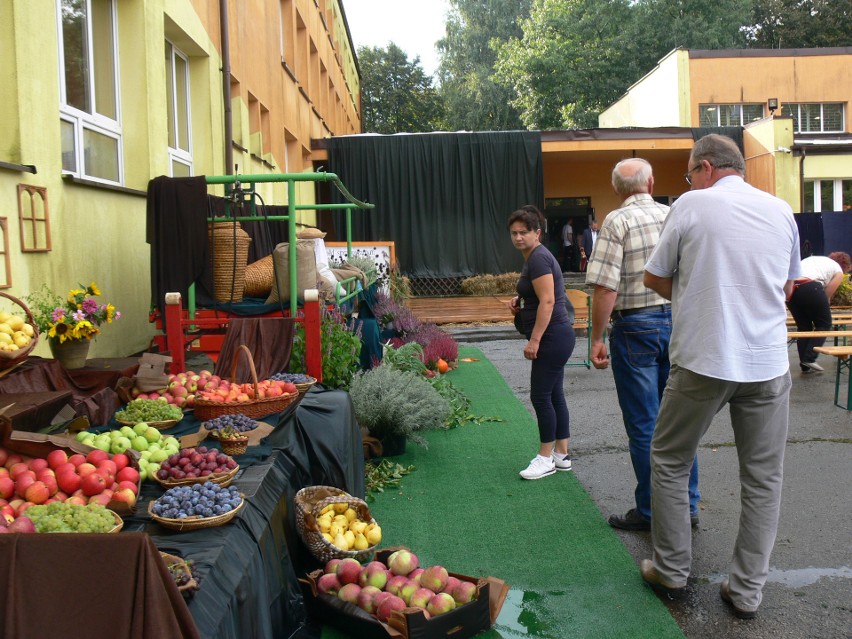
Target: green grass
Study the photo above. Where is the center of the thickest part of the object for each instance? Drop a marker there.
(466, 508)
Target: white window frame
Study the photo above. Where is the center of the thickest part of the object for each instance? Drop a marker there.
(179, 155)
(798, 117)
(837, 193)
(718, 106)
(81, 120)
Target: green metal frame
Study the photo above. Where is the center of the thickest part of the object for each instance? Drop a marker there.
(241, 189)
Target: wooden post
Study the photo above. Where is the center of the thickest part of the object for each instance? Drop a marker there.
(174, 332)
(313, 343)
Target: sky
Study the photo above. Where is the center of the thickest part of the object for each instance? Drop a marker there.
(413, 25)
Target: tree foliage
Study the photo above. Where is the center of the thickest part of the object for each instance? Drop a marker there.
(396, 94)
(800, 23)
(474, 31)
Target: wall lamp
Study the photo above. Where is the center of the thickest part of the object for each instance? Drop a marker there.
(772, 103)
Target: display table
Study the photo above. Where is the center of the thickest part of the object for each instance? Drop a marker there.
(33, 411)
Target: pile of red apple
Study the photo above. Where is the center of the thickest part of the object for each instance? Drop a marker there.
(231, 392)
(182, 388)
(379, 588)
(96, 478)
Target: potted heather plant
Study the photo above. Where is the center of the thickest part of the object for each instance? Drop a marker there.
(395, 406)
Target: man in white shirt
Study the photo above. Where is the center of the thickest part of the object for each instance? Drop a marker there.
(728, 346)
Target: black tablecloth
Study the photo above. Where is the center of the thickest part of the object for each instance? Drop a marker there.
(249, 567)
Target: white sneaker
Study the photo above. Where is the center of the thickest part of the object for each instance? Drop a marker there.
(813, 366)
(539, 467)
(562, 463)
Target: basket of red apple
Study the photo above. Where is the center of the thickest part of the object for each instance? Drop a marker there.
(193, 465)
(254, 399)
(335, 525)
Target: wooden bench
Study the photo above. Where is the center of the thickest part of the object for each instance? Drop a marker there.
(826, 334)
(460, 310)
(844, 366)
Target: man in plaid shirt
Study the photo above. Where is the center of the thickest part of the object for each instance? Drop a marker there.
(641, 326)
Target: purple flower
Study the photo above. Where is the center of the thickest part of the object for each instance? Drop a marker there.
(57, 315)
(90, 306)
(78, 316)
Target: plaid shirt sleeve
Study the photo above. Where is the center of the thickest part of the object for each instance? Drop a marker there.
(605, 262)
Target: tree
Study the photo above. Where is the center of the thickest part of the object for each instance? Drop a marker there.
(800, 23)
(474, 30)
(396, 95)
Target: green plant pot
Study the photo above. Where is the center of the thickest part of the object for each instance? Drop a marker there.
(393, 445)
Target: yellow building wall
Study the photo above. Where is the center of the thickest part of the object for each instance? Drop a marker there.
(804, 78)
(97, 231)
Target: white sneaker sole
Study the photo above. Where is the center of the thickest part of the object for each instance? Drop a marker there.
(565, 468)
(547, 474)
(814, 366)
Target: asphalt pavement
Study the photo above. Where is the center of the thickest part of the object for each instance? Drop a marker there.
(809, 590)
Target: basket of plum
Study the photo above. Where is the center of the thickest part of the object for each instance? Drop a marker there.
(231, 431)
(193, 465)
(202, 505)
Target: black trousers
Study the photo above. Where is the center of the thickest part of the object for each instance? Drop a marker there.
(811, 309)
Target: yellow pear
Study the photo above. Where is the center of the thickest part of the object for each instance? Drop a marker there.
(4, 315)
(324, 524)
(328, 538)
(350, 514)
(16, 322)
(20, 338)
(12, 347)
(5, 338)
(341, 542)
(28, 330)
(358, 527)
(335, 529)
(341, 507)
(361, 542)
(327, 509)
(374, 536)
(5, 328)
(341, 520)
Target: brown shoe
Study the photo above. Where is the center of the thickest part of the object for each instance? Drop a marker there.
(739, 613)
(653, 579)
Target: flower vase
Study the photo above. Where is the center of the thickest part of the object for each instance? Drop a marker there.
(71, 353)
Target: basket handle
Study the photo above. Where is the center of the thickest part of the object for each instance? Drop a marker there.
(245, 349)
(26, 308)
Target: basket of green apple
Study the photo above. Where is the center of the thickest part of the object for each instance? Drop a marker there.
(149, 445)
(160, 415)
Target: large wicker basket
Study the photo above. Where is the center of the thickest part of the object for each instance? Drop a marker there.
(195, 522)
(259, 277)
(309, 502)
(206, 409)
(229, 248)
(10, 359)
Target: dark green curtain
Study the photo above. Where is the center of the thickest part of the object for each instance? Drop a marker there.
(442, 198)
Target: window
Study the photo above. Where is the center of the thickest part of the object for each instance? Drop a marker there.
(827, 195)
(89, 113)
(728, 114)
(177, 92)
(815, 117)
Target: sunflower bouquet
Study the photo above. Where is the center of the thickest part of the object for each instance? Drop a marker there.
(81, 316)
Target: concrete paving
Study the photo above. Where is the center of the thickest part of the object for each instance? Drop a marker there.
(809, 592)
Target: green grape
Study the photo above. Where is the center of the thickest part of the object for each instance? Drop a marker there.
(63, 517)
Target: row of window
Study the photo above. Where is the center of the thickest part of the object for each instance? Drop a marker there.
(823, 196)
(815, 117)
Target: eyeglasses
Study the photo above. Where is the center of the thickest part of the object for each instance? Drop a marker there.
(519, 233)
(688, 175)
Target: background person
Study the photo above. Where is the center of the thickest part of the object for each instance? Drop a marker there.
(728, 346)
(590, 236)
(567, 246)
(810, 303)
(543, 314)
(641, 326)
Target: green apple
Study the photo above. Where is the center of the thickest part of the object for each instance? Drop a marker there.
(145, 454)
(103, 445)
(143, 472)
(103, 438)
(82, 435)
(139, 443)
(158, 456)
(140, 428)
(154, 446)
(152, 434)
(120, 445)
(127, 432)
(152, 469)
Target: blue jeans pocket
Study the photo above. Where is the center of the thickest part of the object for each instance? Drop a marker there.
(641, 348)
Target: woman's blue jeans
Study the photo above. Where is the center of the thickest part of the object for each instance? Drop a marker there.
(639, 352)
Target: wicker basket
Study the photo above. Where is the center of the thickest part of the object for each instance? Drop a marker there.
(223, 479)
(259, 277)
(177, 565)
(10, 359)
(207, 409)
(304, 387)
(229, 248)
(119, 523)
(234, 445)
(195, 522)
(309, 502)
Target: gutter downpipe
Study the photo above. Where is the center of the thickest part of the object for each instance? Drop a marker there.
(802, 181)
(226, 86)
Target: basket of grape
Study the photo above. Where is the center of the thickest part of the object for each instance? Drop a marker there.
(153, 412)
(181, 572)
(62, 517)
(193, 465)
(302, 382)
(198, 506)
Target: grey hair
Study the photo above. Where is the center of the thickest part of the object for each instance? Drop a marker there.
(636, 183)
(720, 151)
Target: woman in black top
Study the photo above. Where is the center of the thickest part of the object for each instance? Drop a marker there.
(544, 316)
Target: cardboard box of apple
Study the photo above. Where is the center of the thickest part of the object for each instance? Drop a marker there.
(394, 596)
(152, 446)
(96, 477)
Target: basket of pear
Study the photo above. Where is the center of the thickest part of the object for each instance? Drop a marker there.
(335, 526)
(18, 334)
(232, 441)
